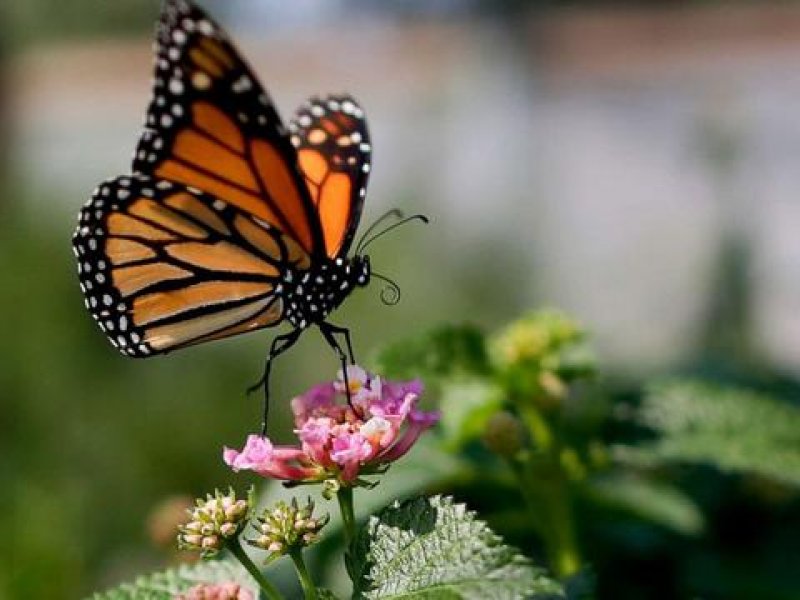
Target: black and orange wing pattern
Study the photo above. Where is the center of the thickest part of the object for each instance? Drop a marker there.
(211, 126)
(334, 151)
(163, 266)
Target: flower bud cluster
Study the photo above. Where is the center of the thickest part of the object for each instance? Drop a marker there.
(287, 527)
(540, 355)
(213, 521)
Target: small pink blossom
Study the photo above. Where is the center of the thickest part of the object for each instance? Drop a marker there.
(216, 591)
(340, 441)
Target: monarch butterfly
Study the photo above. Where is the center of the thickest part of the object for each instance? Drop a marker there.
(229, 222)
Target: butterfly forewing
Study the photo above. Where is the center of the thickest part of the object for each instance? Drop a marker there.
(223, 207)
(163, 266)
(334, 150)
(211, 126)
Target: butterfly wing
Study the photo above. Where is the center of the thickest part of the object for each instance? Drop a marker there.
(163, 266)
(211, 126)
(333, 148)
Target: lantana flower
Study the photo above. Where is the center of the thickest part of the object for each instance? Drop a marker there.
(340, 441)
(216, 591)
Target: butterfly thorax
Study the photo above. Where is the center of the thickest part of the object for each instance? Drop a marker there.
(310, 295)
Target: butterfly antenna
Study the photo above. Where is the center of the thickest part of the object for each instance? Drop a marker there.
(395, 212)
(383, 232)
(390, 294)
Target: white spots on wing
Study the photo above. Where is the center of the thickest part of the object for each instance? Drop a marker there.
(317, 110)
(173, 53)
(176, 86)
(304, 120)
(177, 110)
(179, 37)
(365, 167)
(243, 84)
(166, 121)
(219, 205)
(348, 107)
(205, 27)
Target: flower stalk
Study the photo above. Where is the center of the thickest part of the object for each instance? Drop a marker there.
(309, 589)
(269, 590)
(345, 498)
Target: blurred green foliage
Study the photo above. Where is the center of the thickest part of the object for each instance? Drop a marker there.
(36, 21)
(673, 480)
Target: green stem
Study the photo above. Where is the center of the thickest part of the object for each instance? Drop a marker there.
(270, 591)
(309, 589)
(551, 512)
(548, 500)
(345, 497)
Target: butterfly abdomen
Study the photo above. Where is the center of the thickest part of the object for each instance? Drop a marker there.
(309, 296)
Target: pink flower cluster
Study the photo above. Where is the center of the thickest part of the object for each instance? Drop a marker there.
(337, 440)
(216, 591)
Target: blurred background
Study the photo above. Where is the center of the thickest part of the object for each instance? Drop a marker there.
(637, 165)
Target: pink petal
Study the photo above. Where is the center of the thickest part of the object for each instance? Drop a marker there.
(409, 437)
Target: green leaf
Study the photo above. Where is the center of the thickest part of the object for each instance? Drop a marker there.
(733, 429)
(443, 352)
(165, 584)
(431, 548)
(652, 501)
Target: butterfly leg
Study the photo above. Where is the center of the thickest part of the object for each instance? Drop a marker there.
(334, 329)
(279, 345)
(328, 332)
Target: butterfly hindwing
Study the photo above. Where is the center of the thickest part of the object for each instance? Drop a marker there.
(163, 266)
(334, 151)
(211, 126)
